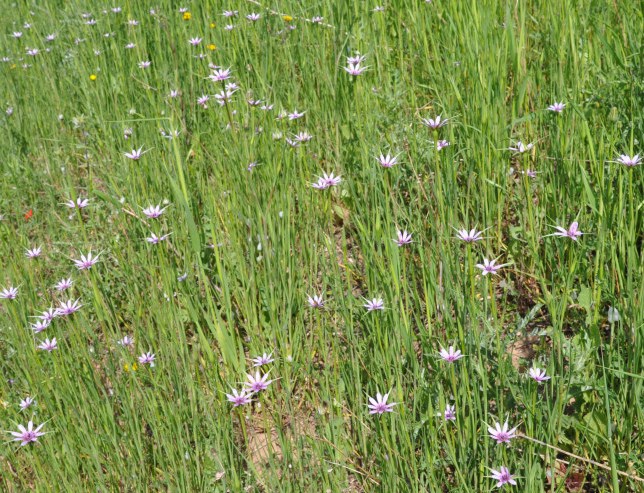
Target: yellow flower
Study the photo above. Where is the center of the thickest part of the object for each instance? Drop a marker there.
(187, 16)
(287, 18)
(93, 77)
(212, 25)
(13, 65)
(127, 367)
(211, 47)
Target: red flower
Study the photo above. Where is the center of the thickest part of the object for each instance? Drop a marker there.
(28, 214)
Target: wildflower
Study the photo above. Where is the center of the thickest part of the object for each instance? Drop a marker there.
(144, 64)
(50, 37)
(26, 403)
(239, 398)
(40, 325)
(33, 252)
(33, 51)
(404, 238)
(86, 262)
(538, 375)
(147, 359)
(203, 101)
(194, 41)
(126, 341)
(64, 284)
(387, 161)
(442, 144)
(68, 307)
(557, 107)
(154, 239)
(434, 123)
(287, 18)
(48, 345)
(136, 154)
(27, 435)
(9, 293)
(379, 8)
(374, 304)
(315, 301)
(252, 165)
(211, 46)
(230, 13)
(572, 232)
(303, 137)
(173, 93)
(48, 315)
(317, 19)
(29, 214)
(257, 383)
(264, 359)
(489, 267)
(450, 413)
(224, 96)
(325, 181)
(521, 147)
(187, 16)
(502, 434)
(613, 315)
(629, 161)
(182, 277)
(229, 27)
(357, 59)
(154, 211)
(379, 405)
(469, 236)
(295, 115)
(450, 355)
(133, 22)
(503, 476)
(17, 34)
(355, 70)
(253, 17)
(130, 46)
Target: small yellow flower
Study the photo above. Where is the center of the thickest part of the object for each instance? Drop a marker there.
(13, 65)
(126, 367)
(187, 16)
(212, 25)
(211, 47)
(93, 77)
(287, 18)
(134, 366)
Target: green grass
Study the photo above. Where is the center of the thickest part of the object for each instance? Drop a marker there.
(256, 244)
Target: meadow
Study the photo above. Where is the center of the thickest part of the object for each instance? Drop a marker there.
(325, 246)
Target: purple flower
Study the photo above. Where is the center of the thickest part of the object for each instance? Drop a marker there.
(629, 161)
(28, 434)
(40, 325)
(295, 115)
(153, 211)
(450, 413)
(404, 238)
(80, 203)
(379, 405)
(503, 476)
(203, 101)
(264, 359)
(572, 232)
(154, 239)
(64, 284)
(315, 301)
(230, 13)
(557, 107)
(194, 41)
(469, 236)
(182, 277)
(48, 315)
(126, 341)
(9, 293)
(68, 307)
(521, 147)
(257, 383)
(538, 375)
(253, 17)
(145, 64)
(435, 123)
(374, 304)
(26, 403)
(86, 262)
(136, 154)
(387, 161)
(147, 358)
(355, 69)
(442, 144)
(173, 93)
(489, 267)
(502, 434)
(220, 75)
(239, 398)
(48, 345)
(303, 137)
(33, 252)
(325, 181)
(450, 355)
